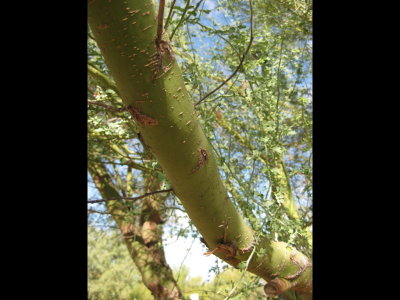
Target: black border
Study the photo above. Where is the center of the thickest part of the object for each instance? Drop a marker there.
(345, 181)
(46, 206)
(47, 160)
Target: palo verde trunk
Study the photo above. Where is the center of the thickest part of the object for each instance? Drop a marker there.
(151, 86)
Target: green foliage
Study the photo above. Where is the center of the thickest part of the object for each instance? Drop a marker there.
(111, 274)
(187, 284)
(250, 287)
(222, 284)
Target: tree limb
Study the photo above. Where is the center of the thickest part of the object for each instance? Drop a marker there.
(160, 18)
(108, 107)
(130, 198)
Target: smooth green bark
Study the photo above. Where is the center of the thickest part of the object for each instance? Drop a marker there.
(163, 111)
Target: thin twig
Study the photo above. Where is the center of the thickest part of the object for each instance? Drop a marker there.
(241, 277)
(169, 14)
(92, 211)
(181, 20)
(180, 267)
(160, 19)
(91, 36)
(195, 63)
(194, 11)
(220, 36)
(108, 107)
(130, 198)
(279, 91)
(241, 61)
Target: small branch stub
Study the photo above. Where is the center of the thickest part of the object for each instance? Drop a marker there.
(275, 287)
(301, 263)
(162, 46)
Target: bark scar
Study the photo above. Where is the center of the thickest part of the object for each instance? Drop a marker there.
(203, 157)
(163, 47)
(229, 249)
(141, 118)
(249, 248)
(302, 268)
